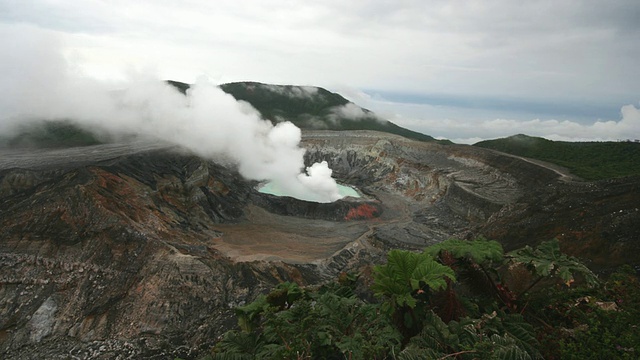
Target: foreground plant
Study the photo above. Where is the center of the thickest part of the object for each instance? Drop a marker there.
(406, 281)
(547, 261)
(449, 301)
(327, 323)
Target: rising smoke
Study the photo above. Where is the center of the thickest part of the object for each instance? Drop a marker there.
(40, 85)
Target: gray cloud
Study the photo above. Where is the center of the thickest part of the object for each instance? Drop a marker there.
(542, 52)
(81, 16)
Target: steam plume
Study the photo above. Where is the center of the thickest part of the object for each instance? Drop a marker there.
(206, 121)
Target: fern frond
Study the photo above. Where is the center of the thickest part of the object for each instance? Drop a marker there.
(240, 345)
(415, 353)
(506, 348)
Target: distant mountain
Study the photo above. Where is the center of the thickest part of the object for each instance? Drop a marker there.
(589, 160)
(310, 107)
(307, 107)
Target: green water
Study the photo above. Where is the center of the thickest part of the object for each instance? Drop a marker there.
(268, 188)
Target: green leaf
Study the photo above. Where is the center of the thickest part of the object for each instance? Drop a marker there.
(406, 272)
(480, 251)
(547, 261)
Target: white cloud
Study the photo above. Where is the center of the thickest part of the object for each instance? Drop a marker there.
(354, 95)
(471, 130)
(292, 91)
(350, 111)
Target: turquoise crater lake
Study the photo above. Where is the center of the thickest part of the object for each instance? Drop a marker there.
(344, 190)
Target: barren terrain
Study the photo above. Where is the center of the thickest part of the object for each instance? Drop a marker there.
(141, 250)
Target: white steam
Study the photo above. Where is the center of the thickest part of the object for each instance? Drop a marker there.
(39, 85)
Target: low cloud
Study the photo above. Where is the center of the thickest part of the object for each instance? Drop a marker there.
(38, 84)
(471, 128)
(351, 112)
(303, 92)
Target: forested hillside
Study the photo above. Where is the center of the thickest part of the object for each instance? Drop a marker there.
(588, 160)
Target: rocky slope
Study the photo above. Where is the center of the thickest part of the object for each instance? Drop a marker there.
(141, 251)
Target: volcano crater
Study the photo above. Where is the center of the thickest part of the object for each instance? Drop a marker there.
(346, 209)
(130, 244)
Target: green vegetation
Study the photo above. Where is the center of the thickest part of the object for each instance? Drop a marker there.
(406, 282)
(588, 160)
(283, 101)
(310, 108)
(596, 323)
(292, 323)
(50, 134)
(452, 300)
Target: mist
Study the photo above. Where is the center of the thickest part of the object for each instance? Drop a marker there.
(40, 84)
(470, 125)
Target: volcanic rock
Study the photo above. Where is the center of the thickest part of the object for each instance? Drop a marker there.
(142, 250)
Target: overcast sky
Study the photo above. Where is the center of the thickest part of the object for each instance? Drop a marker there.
(463, 70)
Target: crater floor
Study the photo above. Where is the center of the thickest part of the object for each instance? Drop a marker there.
(266, 236)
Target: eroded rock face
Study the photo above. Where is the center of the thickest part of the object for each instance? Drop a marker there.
(121, 250)
(114, 252)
